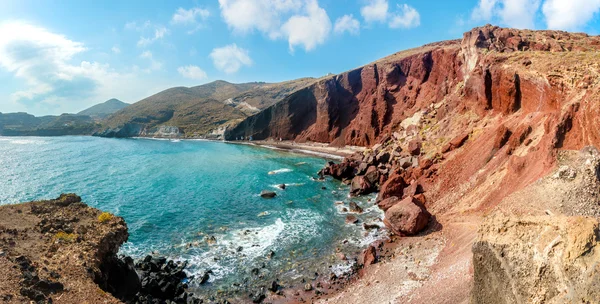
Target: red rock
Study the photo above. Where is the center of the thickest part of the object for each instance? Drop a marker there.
(408, 217)
(425, 163)
(394, 186)
(360, 186)
(413, 189)
(502, 136)
(388, 203)
(372, 175)
(414, 147)
(351, 219)
(421, 199)
(354, 207)
(369, 256)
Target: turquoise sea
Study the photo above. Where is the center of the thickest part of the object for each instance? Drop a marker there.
(175, 195)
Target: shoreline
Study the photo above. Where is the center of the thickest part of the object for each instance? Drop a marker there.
(308, 148)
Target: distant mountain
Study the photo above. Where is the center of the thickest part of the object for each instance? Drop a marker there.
(198, 111)
(102, 110)
(23, 124)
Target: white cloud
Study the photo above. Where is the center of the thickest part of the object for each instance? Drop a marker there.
(115, 49)
(513, 13)
(378, 11)
(230, 58)
(245, 16)
(51, 82)
(300, 22)
(159, 33)
(347, 23)
(375, 10)
(192, 72)
(569, 15)
(408, 17)
(191, 16)
(154, 64)
(308, 30)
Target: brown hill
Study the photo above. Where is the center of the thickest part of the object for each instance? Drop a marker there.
(197, 110)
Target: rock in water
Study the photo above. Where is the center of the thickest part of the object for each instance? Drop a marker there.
(354, 207)
(281, 186)
(351, 219)
(268, 194)
(407, 217)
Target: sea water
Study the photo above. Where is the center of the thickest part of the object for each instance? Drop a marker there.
(178, 195)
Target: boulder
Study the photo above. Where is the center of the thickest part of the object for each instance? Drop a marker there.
(360, 185)
(369, 256)
(394, 186)
(351, 219)
(355, 208)
(407, 217)
(413, 189)
(281, 186)
(388, 203)
(383, 157)
(372, 175)
(414, 147)
(268, 194)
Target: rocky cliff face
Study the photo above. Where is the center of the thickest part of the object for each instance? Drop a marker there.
(492, 71)
(461, 129)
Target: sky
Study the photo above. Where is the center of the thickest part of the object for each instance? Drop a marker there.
(62, 56)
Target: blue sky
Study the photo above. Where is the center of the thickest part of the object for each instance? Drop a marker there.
(61, 56)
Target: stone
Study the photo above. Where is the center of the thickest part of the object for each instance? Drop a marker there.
(414, 147)
(268, 194)
(372, 175)
(383, 157)
(407, 217)
(351, 219)
(340, 256)
(394, 186)
(308, 287)
(388, 203)
(413, 189)
(369, 256)
(355, 208)
(281, 186)
(360, 186)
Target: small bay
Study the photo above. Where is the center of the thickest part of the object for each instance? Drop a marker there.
(176, 196)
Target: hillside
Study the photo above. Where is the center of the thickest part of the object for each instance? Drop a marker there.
(196, 111)
(102, 110)
(497, 131)
(23, 124)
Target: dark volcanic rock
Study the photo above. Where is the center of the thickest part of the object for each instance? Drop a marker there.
(268, 194)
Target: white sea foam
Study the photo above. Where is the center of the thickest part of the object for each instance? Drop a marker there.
(342, 269)
(278, 171)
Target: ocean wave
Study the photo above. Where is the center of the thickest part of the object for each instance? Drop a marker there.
(278, 171)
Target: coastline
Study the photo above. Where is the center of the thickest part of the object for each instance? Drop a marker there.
(308, 148)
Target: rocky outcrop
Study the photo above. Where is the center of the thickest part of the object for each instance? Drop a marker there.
(544, 259)
(61, 249)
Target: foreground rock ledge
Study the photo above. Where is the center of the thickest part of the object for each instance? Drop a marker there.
(543, 259)
(55, 249)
